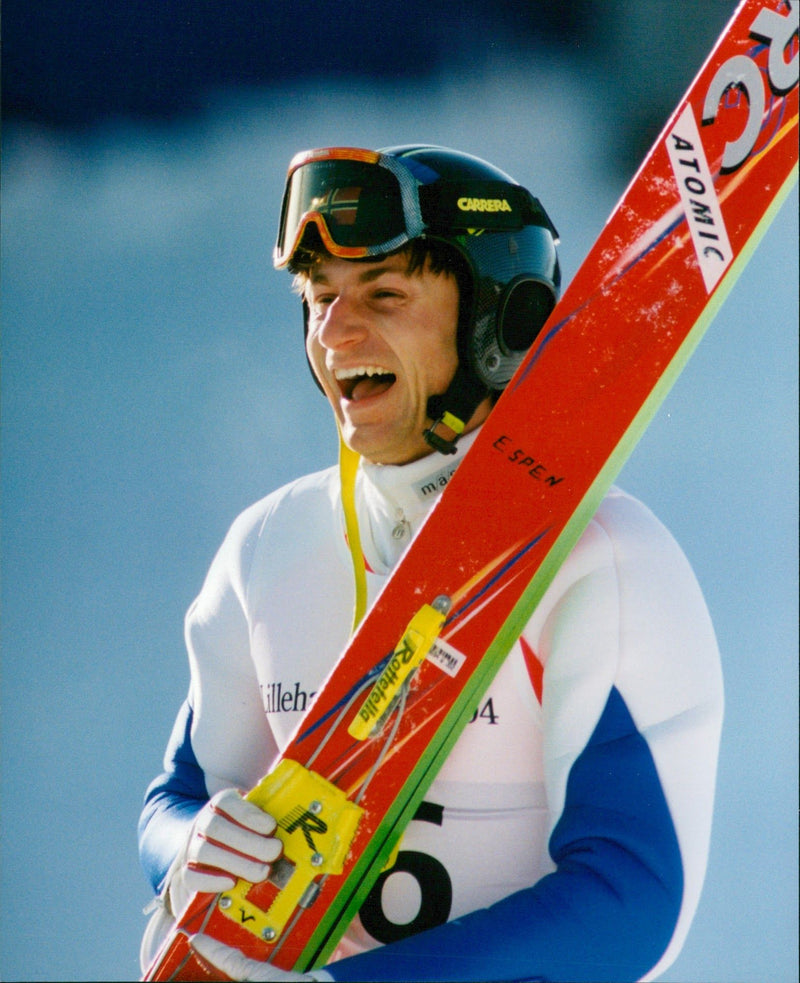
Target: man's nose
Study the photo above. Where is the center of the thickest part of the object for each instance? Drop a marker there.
(344, 323)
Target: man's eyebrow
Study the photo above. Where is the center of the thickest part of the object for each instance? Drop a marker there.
(366, 276)
(376, 271)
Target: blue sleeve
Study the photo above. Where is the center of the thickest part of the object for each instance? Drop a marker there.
(607, 912)
(171, 802)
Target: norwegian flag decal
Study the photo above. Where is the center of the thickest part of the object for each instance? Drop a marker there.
(340, 205)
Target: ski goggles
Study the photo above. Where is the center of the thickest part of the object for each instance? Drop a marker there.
(363, 203)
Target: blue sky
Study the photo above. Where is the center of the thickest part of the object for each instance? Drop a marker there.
(154, 385)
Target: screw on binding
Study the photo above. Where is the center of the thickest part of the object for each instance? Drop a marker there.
(442, 604)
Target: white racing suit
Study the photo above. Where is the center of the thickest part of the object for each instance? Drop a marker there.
(566, 835)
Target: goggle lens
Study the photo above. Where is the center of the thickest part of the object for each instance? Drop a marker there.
(354, 205)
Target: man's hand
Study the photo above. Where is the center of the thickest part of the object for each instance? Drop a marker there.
(237, 966)
(230, 839)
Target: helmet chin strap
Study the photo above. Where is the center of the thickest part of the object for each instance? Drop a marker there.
(452, 410)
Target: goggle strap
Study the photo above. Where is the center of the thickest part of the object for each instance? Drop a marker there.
(485, 205)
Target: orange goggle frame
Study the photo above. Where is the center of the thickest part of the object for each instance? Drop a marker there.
(360, 203)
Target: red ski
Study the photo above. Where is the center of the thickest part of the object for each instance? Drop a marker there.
(408, 682)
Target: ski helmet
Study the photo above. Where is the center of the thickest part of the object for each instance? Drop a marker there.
(357, 204)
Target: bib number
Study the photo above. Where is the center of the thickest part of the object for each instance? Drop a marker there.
(433, 884)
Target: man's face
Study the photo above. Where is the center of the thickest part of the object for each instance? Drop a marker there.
(382, 342)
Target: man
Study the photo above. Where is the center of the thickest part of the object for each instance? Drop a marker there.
(566, 835)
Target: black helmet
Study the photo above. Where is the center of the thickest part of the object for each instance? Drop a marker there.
(360, 203)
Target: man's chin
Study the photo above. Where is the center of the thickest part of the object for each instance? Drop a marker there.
(383, 448)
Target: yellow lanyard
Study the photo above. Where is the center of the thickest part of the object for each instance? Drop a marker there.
(348, 469)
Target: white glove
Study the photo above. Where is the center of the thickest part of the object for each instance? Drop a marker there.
(230, 839)
(236, 966)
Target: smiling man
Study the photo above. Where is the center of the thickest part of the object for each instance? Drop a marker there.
(382, 342)
(566, 835)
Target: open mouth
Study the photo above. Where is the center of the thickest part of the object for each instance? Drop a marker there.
(363, 381)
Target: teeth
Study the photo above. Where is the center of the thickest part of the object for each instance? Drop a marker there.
(367, 370)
